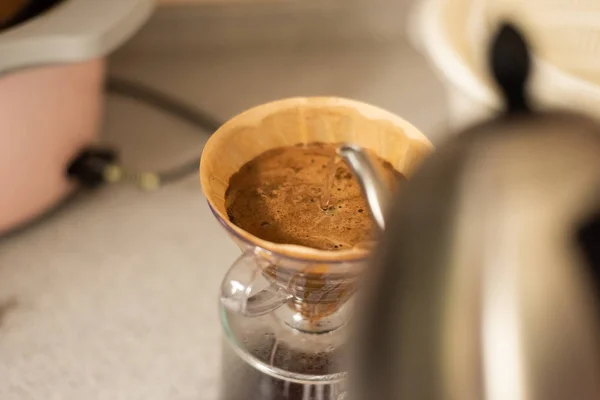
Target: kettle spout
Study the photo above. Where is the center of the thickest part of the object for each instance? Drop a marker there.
(370, 180)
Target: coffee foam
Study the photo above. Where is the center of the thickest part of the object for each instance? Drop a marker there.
(277, 197)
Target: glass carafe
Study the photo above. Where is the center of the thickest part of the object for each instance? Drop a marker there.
(286, 324)
(286, 309)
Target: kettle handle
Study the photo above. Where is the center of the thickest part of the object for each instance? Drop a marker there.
(238, 290)
(510, 64)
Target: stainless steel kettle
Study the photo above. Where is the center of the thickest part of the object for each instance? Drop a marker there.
(487, 282)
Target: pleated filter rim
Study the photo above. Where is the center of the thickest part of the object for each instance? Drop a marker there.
(305, 120)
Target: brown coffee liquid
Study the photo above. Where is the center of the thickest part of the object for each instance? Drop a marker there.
(278, 196)
(242, 381)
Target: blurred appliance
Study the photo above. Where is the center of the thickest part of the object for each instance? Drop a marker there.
(488, 282)
(565, 38)
(51, 92)
(566, 32)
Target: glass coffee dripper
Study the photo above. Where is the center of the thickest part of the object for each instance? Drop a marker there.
(285, 309)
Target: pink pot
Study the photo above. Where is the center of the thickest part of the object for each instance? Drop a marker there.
(52, 72)
(47, 115)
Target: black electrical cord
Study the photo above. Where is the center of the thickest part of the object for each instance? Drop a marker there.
(160, 101)
(163, 102)
(95, 166)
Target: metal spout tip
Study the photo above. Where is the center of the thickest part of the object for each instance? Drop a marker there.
(371, 183)
(348, 148)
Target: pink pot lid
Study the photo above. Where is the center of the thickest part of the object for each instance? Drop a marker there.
(72, 31)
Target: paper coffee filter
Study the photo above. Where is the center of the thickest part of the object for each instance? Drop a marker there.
(305, 120)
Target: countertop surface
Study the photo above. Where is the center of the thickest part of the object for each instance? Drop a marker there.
(114, 296)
